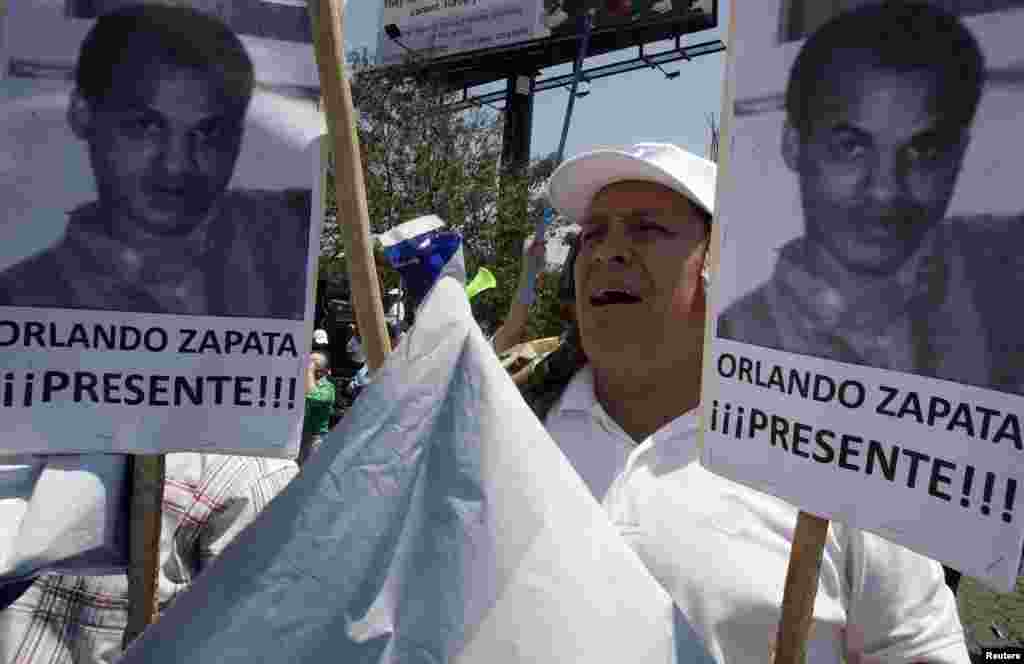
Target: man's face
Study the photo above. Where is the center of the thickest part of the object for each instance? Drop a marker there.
(163, 144)
(877, 166)
(637, 275)
(318, 364)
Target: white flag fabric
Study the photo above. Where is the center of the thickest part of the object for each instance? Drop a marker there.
(438, 523)
(63, 513)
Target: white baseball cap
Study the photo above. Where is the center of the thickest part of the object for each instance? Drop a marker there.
(319, 336)
(574, 184)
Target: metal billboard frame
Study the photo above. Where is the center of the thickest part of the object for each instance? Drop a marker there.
(643, 60)
(475, 68)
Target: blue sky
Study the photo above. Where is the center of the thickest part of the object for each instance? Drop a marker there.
(634, 107)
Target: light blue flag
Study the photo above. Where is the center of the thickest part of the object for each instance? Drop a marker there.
(438, 523)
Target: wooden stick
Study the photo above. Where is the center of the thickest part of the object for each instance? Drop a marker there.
(353, 214)
(145, 512)
(801, 589)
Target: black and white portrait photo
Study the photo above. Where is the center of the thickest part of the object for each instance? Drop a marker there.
(160, 103)
(891, 140)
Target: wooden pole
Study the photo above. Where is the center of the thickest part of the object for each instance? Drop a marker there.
(809, 537)
(145, 512)
(801, 589)
(353, 214)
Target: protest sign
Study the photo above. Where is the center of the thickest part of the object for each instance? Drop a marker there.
(155, 292)
(439, 522)
(865, 365)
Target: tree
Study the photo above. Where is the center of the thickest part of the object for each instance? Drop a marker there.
(418, 159)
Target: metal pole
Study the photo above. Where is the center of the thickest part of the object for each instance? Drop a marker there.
(515, 152)
(577, 70)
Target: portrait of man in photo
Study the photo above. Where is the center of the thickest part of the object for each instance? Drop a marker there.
(160, 101)
(879, 109)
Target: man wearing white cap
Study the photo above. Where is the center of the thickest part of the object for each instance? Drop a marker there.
(627, 420)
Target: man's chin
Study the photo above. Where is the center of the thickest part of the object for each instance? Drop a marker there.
(621, 342)
(876, 264)
(168, 223)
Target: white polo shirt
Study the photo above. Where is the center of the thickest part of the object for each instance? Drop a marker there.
(721, 550)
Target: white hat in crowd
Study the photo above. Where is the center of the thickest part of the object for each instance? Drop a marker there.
(320, 336)
(574, 184)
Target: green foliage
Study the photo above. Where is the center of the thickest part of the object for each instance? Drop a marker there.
(545, 319)
(981, 607)
(419, 158)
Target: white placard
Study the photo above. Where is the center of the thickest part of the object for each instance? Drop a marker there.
(205, 356)
(927, 452)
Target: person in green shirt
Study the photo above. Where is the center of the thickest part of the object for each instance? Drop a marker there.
(319, 405)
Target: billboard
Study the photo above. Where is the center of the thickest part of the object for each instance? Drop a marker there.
(559, 16)
(475, 41)
(439, 28)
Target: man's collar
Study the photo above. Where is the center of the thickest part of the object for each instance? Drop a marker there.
(832, 309)
(89, 231)
(579, 394)
(93, 220)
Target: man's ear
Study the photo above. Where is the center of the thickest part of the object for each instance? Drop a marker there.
(791, 146)
(80, 115)
(699, 304)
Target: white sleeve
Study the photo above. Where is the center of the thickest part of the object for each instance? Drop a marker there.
(900, 609)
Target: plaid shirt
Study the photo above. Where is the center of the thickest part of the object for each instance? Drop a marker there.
(208, 500)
